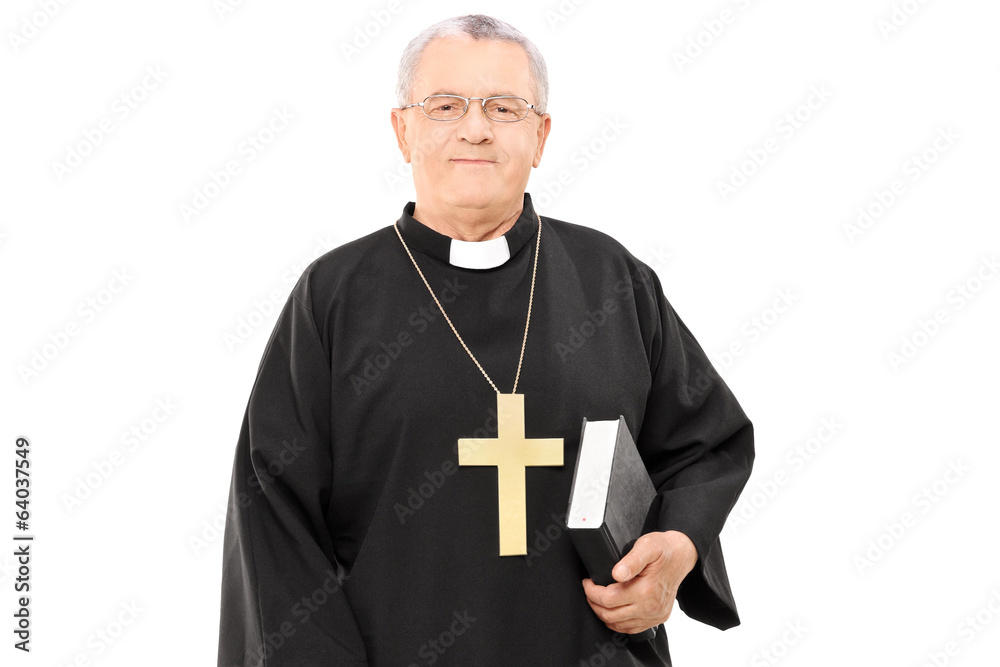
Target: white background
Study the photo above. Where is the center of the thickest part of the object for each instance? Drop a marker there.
(150, 533)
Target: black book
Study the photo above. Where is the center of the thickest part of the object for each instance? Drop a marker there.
(609, 501)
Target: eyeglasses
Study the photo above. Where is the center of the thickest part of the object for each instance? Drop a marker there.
(503, 108)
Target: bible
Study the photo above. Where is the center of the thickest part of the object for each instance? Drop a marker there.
(609, 500)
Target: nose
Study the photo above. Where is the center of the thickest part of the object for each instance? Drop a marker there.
(474, 126)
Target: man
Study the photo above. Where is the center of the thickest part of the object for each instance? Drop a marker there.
(405, 462)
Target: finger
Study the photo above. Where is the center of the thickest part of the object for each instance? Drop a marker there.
(601, 595)
(592, 590)
(609, 597)
(630, 626)
(644, 551)
(635, 629)
(626, 615)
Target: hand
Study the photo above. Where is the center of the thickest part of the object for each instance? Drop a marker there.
(647, 581)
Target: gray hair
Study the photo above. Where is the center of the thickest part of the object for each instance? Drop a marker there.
(477, 26)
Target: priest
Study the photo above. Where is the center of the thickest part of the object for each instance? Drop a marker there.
(402, 474)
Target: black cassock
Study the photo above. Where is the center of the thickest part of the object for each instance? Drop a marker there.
(354, 538)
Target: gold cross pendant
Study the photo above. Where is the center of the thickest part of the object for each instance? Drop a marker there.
(511, 452)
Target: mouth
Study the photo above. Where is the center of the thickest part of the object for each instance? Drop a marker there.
(461, 161)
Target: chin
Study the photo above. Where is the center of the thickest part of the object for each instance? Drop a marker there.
(471, 196)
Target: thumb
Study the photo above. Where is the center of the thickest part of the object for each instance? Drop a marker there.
(642, 554)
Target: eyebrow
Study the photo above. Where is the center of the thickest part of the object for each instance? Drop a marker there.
(449, 92)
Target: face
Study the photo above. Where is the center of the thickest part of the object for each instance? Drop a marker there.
(436, 149)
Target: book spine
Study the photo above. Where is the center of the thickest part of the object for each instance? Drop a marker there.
(597, 552)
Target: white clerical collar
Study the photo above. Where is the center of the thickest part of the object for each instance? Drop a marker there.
(470, 254)
(479, 254)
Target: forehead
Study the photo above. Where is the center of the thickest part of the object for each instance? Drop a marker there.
(471, 67)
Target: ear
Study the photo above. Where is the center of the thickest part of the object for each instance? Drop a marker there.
(544, 126)
(399, 127)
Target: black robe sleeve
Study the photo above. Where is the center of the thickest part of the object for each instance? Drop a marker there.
(282, 601)
(697, 444)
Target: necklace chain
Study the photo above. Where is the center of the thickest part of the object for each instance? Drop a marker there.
(531, 296)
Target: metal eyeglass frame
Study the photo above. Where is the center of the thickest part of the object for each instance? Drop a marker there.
(531, 107)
